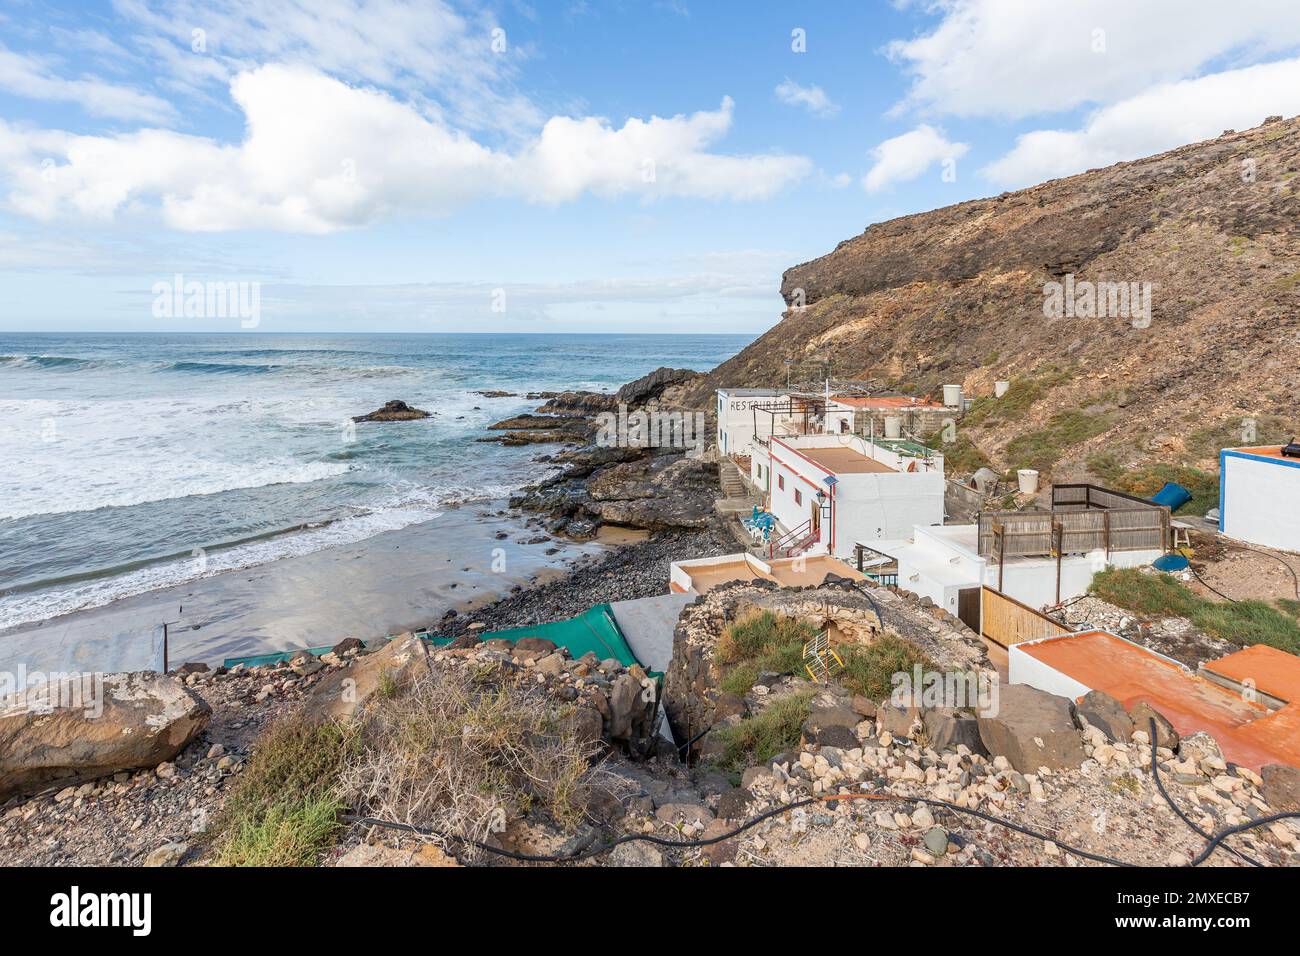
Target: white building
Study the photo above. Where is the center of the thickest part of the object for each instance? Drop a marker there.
(829, 491)
(948, 565)
(737, 418)
(1259, 496)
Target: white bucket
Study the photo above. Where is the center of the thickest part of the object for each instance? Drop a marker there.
(1028, 479)
(1001, 387)
(952, 396)
(893, 426)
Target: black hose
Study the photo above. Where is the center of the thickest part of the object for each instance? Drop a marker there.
(1213, 840)
(1219, 837)
(1295, 579)
(1155, 773)
(754, 821)
(1211, 587)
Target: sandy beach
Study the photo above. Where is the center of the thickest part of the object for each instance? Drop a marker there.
(396, 581)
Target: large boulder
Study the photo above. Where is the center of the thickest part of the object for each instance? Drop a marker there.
(347, 690)
(1143, 713)
(70, 731)
(898, 721)
(1032, 729)
(1106, 714)
(1281, 786)
(947, 727)
(630, 709)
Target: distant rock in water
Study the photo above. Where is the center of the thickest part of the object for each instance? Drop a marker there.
(393, 411)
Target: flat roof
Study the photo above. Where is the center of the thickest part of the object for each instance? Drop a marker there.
(788, 572)
(839, 460)
(1267, 451)
(1269, 670)
(1247, 733)
(886, 402)
(765, 392)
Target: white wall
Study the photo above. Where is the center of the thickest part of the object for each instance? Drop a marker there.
(876, 507)
(736, 421)
(1032, 581)
(1023, 669)
(1261, 500)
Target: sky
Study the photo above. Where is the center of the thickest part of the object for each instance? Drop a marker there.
(555, 165)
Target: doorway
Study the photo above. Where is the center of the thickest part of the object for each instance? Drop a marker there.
(968, 608)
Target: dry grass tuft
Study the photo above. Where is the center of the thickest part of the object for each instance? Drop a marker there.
(465, 757)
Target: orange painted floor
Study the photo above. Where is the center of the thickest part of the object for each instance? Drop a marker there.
(1247, 733)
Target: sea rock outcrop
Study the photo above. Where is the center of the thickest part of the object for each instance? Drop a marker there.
(394, 411)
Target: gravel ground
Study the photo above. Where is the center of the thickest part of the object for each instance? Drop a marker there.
(120, 820)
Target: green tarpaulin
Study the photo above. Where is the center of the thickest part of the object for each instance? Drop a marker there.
(594, 631)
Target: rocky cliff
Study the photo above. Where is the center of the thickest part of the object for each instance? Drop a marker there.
(957, 295)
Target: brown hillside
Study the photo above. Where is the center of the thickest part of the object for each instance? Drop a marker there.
(956, 295)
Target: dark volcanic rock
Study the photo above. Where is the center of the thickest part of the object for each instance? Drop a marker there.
(394, 411)
(649, 387)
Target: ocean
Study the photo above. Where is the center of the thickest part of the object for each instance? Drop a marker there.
(130, 463)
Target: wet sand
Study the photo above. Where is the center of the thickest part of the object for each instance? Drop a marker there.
(390, 583)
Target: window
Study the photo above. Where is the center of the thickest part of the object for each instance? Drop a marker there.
(798, 497)
(780, 482)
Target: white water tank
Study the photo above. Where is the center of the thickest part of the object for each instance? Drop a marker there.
(893, 426)
(1028, 479)
(952, 396)
(1000, 388)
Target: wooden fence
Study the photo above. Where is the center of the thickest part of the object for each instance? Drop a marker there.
(1052, 533)
(1005, 621)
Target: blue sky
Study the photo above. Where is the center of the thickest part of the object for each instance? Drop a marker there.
(378, 165)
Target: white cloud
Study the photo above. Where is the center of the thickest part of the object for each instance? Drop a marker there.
(35, 78)
(1010, 58)
(811, 98)
(319, 155)
(1158, 119)
(424, 49)
(906, 157)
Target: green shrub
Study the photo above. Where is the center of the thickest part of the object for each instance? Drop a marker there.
(776, 728)
(1044, 448)
(869, 669)
(1024, 393)
(282, 810)
(1160, 595)
(761, 642)
(1146, 480)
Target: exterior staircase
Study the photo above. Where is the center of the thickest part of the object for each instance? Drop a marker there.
(733, 486)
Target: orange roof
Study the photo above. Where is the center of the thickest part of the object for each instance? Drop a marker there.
(1247, 733)
(1267, 669)
(886, 402)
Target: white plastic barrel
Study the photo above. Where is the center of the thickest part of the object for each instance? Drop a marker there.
(952, 396)
(1028, 478)
(1000, 388)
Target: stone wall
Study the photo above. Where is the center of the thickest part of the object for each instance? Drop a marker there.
(694, 701)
